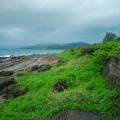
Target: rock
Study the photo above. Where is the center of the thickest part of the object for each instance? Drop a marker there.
(6, 73)
(5, 82)
(12, 91)
(60, 86)
(34, 68)
(112, 71)
(9, 88)
(40, 68)
(44, 68)
(77, 115)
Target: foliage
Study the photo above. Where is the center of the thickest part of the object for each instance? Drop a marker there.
(88, 89)
(109, 37)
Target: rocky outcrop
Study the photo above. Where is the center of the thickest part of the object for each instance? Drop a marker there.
(40, 68)
(44, 68)
(34, 68)
(5, 82)
(6, 73)
(77, 115)
(112, 71)
(9, 88)
(12, 91)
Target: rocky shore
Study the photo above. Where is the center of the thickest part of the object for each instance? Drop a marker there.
(22, 63)
(10, 66)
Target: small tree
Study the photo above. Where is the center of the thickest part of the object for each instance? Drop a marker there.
(109, 37)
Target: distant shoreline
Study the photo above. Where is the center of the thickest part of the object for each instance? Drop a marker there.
(19, 55)
(25, 52)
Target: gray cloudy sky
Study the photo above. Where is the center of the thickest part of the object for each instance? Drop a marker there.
(26, 22)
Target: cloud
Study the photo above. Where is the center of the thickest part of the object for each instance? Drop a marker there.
(27, 22)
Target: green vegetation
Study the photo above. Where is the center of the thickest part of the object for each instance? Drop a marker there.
(88, 89)
(110, 37)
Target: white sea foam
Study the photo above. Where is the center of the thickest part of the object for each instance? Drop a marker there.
(24, 55)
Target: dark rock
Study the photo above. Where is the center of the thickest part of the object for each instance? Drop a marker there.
(112, 71)
(6, 73)
(7, 96)
(5, 82)
(9, 88)
(12, 91)
(77, 115)
(44, 68)
(34, 68)
(60, 86)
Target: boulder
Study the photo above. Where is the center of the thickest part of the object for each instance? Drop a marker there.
(12, 91)
(112, 71)
(44, 68)
(77, 115)
(5, 82)
(6, 73)
(60, 86)
(34, 68)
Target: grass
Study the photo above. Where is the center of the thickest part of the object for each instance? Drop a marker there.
(88, 89)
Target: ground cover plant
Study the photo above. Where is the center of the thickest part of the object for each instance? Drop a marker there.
(87, 88)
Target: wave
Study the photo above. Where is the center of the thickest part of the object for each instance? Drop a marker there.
(23, 55)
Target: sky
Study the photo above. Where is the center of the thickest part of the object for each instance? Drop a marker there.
(31, 22)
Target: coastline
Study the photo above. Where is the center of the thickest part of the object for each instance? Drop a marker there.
(23, 63)
(18, 55)
(25, 52)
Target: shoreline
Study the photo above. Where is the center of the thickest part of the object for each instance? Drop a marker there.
(19, 55)
(26, 62)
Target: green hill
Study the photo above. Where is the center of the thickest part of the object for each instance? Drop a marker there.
(87, 88)
(57, 46)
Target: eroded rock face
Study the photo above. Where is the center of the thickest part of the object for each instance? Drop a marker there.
(9, 88)
(6, 73)
(5, 82)
(112, 71)
(44, 68)
(40, 68)
(77, 115)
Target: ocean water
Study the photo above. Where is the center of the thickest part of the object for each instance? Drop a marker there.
(17, 52)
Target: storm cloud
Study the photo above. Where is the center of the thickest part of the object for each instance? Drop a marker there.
(30, 22)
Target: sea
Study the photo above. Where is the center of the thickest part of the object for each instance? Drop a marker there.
(19, 52)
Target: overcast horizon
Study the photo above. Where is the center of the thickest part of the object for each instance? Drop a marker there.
(31, 22)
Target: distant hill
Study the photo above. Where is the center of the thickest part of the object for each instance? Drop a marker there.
(57, 46)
